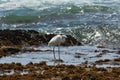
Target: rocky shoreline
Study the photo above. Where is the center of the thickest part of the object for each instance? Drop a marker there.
(12, 41)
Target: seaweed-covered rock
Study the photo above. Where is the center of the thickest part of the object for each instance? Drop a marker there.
(7, 50)
(42, 71)
(11, 50)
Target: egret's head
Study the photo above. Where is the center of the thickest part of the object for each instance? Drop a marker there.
(63, 36)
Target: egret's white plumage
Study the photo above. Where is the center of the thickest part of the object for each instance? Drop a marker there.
(56, 41)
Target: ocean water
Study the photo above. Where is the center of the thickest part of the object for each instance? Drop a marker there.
(94, 22)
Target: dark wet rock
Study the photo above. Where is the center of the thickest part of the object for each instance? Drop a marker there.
(8, 50)
(91, 77)
(11, 50)
(16, 37)
(100, 54)
(30, 37)
(100, 46)
(105, 51)
(2, 53)
(77, 53)
(77, 56)
(102, 61)
(96, 51)
(117, 59)
(66, 78)
(27, 38)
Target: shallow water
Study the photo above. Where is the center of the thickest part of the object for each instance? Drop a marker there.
(75, 55)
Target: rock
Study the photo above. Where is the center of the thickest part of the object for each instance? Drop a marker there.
(11, 50)
(65, 78)
(105, 51)
(4, 51)
(30, 37)
(100, 47)
(19, 38)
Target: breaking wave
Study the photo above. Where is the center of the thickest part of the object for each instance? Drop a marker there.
(93, 22)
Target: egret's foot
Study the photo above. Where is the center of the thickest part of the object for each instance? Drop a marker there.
(57, 60)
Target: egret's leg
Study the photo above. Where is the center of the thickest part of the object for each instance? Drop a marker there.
(59, 52)
(54, 52)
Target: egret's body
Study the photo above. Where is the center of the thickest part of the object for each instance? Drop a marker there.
(56, 41)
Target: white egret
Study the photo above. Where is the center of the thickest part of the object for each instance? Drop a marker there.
(56, 41)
